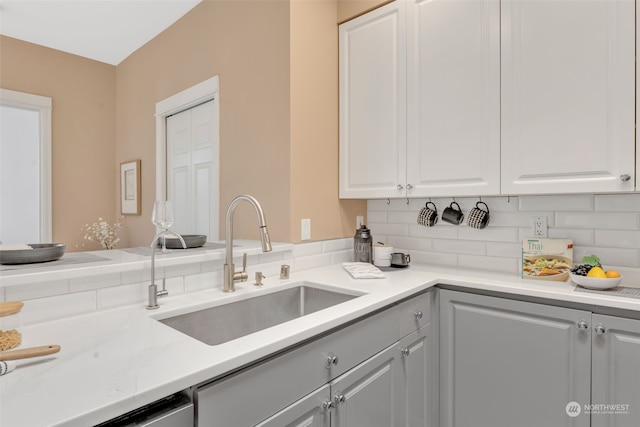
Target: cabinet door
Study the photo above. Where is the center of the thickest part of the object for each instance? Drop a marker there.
(506, 363)
(369, 394)
(310, 411)
(567, 96)
(373, 104)
(419, 380)
(615, 372)
(453, 96)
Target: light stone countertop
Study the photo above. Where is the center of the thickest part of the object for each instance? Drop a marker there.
(117, 360)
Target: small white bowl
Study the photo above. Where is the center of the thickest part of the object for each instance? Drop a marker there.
(595, 282)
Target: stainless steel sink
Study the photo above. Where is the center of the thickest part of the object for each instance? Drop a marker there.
(217, 325)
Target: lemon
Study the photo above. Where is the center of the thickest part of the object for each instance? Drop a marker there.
(597, 272)
(613, 274)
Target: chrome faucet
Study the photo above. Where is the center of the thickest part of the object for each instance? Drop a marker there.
(230, 274)
(153, 288)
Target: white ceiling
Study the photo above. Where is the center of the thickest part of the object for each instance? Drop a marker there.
(103, 30)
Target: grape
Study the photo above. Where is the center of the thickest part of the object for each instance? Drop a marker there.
(581, 269)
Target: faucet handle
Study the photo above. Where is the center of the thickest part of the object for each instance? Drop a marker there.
(244, 262)
(259, 277)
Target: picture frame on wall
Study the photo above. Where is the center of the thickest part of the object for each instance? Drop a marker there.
(130, 188)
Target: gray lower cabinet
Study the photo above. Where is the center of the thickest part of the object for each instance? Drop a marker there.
(507, 363)
(615, 396)
(371, 373)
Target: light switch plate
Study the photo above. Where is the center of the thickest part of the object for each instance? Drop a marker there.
(305, 229)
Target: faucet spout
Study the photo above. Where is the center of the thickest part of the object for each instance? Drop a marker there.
(153, 288)
(230, 275)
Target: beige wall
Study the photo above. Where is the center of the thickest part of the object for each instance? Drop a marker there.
(83, 131)
(314, 124)
(278, 68)
(246, 44)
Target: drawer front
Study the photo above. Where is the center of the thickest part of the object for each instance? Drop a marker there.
(256, 393)
(415, 313)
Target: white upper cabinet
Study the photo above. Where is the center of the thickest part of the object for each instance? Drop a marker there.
(373, 104)
(453, 69)
(568, 96)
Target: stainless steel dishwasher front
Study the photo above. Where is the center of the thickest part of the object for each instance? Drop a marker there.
(173, 411)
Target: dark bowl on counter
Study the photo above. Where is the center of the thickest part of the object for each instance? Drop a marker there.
(41, 252)
(191, 240)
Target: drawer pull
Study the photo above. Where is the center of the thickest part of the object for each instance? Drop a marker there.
(418, 315)
(332, 360)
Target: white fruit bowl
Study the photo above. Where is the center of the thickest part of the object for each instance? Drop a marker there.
(595, 282)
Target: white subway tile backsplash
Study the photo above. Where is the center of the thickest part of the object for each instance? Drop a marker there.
(617, 202)
(439, 231)
(435, 258)
(376, 216)
(37, 290)
(311, 261)
(460, 247)
(58, 307)
(506, 250)
(494, 234)
(617, 238)
(79, 284)
(579, 237)
(305, 249)
(337, 244)
(608, 221)
(487, 263)
(118, 296)
(607, 225)
(563, 202)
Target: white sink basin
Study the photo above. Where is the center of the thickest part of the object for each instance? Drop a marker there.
(217, 325)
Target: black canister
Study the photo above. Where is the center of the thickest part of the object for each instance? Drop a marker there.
(362, 245)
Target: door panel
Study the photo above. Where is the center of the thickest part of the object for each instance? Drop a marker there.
(508, 363)
(567, 96)
(616, 372)
(453, 139)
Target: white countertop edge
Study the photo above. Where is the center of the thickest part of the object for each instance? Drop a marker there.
(127, 359)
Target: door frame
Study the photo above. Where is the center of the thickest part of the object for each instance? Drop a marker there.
(43, 105)
(207, 90)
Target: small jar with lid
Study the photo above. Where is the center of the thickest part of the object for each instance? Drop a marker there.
(10, 324)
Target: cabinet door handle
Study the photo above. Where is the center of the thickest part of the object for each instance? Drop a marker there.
(582, 325)
(339, 399)
(399, 187)
(625, 177)
(418, 315)
(332, 360)
(327, 405)
(409, 187)
(405, 352)
(600, 329)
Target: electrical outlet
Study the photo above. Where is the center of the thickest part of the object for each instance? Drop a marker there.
(539, 226)
(305, 229)
(359, 221)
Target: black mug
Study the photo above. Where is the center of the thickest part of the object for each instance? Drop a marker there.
(453, 215)
(479, 218)
(428, 216)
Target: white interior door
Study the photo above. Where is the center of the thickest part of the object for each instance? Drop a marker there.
(192, 169)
